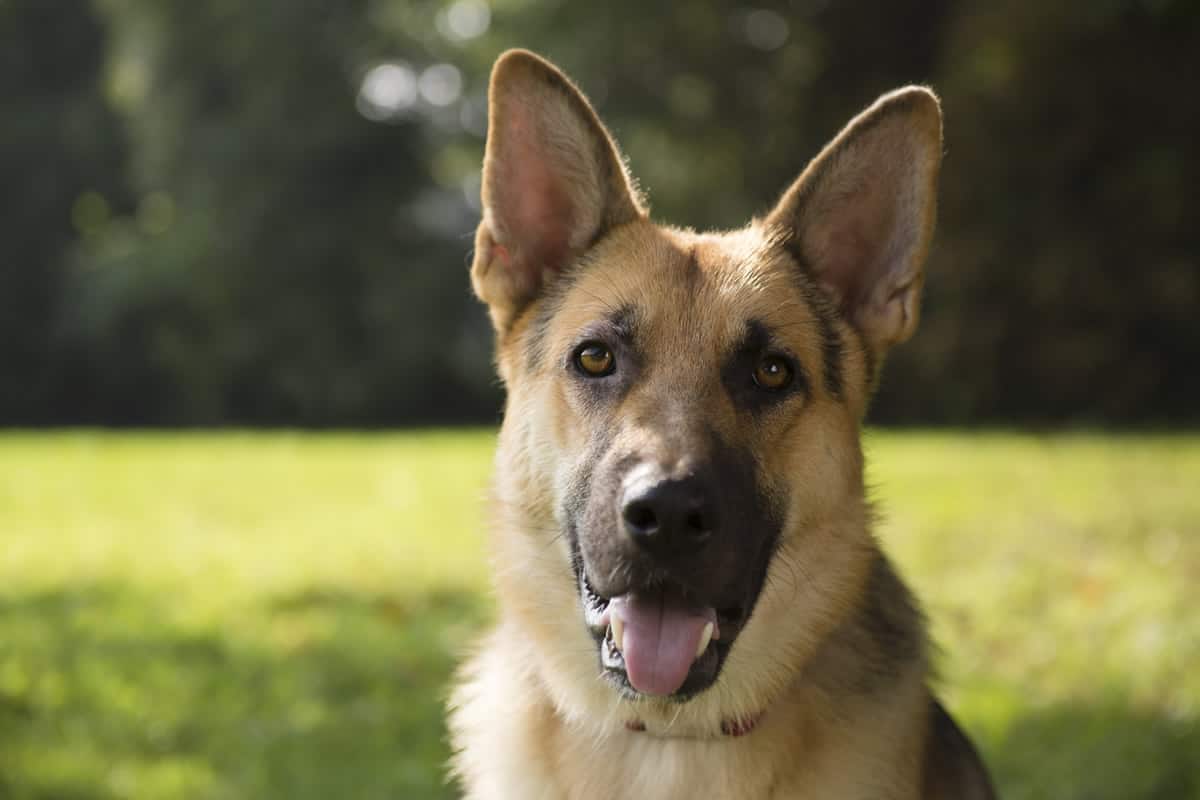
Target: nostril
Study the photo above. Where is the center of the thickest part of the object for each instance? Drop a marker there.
(640, 518)
(667, 518)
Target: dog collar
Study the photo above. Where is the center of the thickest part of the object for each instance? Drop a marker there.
(732, 727)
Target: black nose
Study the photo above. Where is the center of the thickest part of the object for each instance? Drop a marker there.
(670, 517)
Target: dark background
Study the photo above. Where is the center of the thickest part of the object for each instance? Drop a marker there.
(259, 213)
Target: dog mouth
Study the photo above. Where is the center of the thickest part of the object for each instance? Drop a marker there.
(659, 640)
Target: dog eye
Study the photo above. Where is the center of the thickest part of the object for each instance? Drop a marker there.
(595, 360)
(773, 373)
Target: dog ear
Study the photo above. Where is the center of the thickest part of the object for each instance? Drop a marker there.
(861, 216)
(553, 183)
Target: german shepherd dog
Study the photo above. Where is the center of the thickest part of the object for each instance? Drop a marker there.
(691, 602)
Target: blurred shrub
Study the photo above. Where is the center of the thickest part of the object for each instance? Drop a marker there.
(259, 213)
(1066, 281)
(62, 174)
(270, 274)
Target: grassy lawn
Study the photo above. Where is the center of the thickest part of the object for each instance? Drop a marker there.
(276, 615)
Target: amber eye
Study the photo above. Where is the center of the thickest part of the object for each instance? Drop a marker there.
(595, 359)
(773, 373)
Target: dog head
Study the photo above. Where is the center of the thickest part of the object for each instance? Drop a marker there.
(680, 477)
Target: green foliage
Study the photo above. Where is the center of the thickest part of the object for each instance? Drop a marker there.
(278, 279)
(224, 212)
(61, 168)
(1066, 279)
(277, 615)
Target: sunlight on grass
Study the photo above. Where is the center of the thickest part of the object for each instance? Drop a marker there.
(276, 615)
(234, 615)
(1060, 576)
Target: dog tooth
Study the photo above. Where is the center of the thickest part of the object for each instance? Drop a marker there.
(618, 632)
(705, 638)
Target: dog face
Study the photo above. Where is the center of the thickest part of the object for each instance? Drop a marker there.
(680, 482)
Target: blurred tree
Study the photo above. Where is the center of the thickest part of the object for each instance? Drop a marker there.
(1066, 283)
(62, 173)
(304, 181)
(1066, 275)
(272, 272)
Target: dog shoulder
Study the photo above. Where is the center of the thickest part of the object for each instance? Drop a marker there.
(879, 645)
(953, 769)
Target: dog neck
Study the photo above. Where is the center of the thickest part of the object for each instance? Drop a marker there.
(730, 728)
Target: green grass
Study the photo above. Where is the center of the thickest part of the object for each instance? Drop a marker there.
(276, 615)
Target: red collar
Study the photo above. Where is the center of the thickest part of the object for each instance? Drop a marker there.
(735, 726)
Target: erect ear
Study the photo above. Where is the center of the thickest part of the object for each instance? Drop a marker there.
(553, 183)
(861, 216)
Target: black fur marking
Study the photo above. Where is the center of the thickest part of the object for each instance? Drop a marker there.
(832, 351)
(890, 613)
(579, 493)
(889, 624)
(619, 331)
(953, 768)
(878, 643)
(792, 245)
(728, 573)
(737, 374)
(624, 323)
(551, 302)
(820, 303)
(544, 311)
(870, 361)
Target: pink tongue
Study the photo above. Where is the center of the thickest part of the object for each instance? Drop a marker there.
(660, 639)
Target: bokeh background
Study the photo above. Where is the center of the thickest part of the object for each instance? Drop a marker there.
(219, 216)
(222, 212)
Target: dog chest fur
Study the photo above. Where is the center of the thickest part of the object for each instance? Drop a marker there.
(815, 745)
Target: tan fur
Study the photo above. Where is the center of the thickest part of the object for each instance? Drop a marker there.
(846, 715)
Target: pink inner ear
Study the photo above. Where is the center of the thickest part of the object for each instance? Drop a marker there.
(853, 255)
(844, 255)
(501, 253)
(530, 202)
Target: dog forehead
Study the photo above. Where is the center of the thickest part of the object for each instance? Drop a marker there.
(682, 288)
